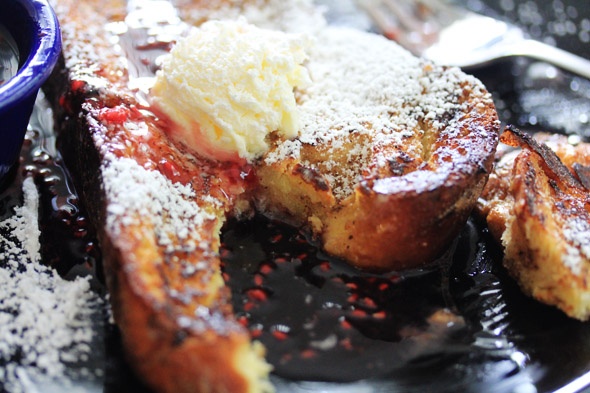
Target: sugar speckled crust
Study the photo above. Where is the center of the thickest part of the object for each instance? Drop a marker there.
(392, 156)
(158, 212)
(537, 207)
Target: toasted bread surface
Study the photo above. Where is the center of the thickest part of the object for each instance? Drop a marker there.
(538, 209)
(158, 212)
(392, 156)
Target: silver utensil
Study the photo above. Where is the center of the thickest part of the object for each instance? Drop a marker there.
(450, 35)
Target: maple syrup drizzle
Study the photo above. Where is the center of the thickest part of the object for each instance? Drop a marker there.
(324, 320)
(319, 318)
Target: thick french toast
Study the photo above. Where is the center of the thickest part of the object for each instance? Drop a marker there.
(158, 212)
(392, 156)
(385, 190)
(537, 206)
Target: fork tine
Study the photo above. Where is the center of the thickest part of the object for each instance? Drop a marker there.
(443, 32)
(405, 14)
(409, 22)
(388, 26)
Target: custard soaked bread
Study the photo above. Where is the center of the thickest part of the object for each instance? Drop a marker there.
(391, 157)
(388, 162)
(537, 206)
(158, 212)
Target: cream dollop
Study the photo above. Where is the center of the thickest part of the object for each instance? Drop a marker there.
(230, 84)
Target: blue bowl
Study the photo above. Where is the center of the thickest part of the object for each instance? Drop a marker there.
(35, 31)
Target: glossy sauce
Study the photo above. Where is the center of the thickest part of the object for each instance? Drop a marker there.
(322, 319)
(68, 243)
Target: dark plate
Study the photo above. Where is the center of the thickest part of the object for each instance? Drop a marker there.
(460, 325)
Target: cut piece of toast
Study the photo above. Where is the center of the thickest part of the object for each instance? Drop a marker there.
(392, 156)
(158, 213)
(537, 206)
(389, 191)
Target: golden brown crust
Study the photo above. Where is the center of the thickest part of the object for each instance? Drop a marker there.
(540, 212)
(406, 229)
(160, 241)
(168, 356)
(404, 210)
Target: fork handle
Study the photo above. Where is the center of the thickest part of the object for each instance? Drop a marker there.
(552, 55)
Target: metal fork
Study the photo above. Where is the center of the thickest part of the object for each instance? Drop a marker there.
(451, 35)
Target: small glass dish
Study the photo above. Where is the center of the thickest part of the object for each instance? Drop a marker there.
(30, 46)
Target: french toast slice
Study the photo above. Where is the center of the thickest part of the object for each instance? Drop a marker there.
(536, 204)
(159, 209)
(392, 156)
(158, 213)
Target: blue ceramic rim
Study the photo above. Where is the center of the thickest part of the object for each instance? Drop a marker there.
(42, 58)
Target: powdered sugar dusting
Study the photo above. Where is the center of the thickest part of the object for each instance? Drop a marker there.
(358, 80)
(173, 208)
(577, 233)
(368, 88)
(44, 320)
(291, 16)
